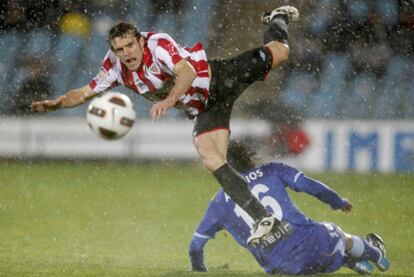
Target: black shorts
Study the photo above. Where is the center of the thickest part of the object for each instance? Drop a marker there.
(229, 79)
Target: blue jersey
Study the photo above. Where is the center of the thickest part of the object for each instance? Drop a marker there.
(313, 247)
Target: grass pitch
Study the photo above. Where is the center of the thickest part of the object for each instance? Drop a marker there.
(111, 219)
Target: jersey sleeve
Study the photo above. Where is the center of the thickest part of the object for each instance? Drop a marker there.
(166, 51)
(210, 223)
(107, 77)
(207, 229)
(297, 181)
(196, 253)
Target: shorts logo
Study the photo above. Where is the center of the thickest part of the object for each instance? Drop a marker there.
(262, 55)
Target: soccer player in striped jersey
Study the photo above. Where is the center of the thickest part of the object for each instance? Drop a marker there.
(310, 247)
(156, 67)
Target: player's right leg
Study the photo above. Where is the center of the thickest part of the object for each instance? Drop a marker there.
(382, 263)
(370, 249)
(363, 267)
(276, 34)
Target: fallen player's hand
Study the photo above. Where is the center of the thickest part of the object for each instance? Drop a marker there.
(46, 105)
(199, 268)
(348, 207)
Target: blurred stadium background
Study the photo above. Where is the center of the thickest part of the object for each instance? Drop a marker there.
(342, 105)
(346, 96)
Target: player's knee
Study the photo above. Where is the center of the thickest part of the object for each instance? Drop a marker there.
(212, 163)
(349, 243)
(280, 52)
(284, 52)
(213, 156)
(211, 159)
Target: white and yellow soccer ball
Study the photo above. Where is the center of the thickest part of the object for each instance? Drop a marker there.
(111, 115)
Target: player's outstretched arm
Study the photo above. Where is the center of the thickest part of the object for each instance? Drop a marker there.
(323, 193)
(298, 181)
(72, 98)
(348, 207)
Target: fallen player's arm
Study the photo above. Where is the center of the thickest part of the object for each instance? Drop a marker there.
(72, 98)
(323, 193)
(196, 253)
(300, 182)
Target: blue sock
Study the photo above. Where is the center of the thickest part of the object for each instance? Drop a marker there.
(363, 250)
(371, 252)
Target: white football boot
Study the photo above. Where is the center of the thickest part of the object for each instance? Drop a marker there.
(289, 12)
(268, 231)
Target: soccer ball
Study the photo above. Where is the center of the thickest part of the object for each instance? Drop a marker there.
(111, 115)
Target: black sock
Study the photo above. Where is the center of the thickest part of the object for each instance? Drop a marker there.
(236, 187)
(277, 30)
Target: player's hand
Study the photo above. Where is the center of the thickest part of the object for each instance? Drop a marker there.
(348, 207)
(199, 268)
(160, 108)
(46, 105)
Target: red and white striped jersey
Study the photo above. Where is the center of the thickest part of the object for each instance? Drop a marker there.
(154, 78)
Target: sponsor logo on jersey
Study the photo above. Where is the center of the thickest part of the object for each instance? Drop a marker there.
(172, 50)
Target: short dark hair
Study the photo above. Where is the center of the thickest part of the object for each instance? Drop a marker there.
(241, 156)
(121, 29)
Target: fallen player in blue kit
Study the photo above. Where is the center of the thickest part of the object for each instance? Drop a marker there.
(307, 247)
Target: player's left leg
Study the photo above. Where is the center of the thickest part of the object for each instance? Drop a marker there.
(212, 148)
(275, 39)
(211, 138)
(229, 79)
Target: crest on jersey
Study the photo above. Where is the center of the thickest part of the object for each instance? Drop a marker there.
(154, 69)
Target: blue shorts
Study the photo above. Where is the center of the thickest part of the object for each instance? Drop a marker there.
(316, 248)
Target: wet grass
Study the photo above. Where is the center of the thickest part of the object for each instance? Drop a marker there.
(121, 219)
